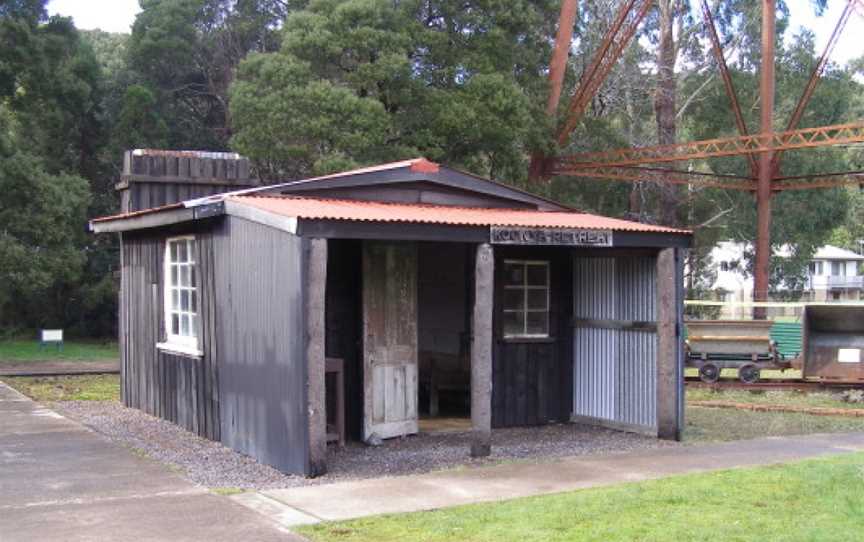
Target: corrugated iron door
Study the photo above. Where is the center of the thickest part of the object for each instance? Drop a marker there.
(390, 339)
(615, 340)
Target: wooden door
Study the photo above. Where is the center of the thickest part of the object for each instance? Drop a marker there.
(390, 339)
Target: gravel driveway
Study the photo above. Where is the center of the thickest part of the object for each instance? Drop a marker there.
(213, 465)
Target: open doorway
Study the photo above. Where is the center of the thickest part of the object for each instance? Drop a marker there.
(444, 354)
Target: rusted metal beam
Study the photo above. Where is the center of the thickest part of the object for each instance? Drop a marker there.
(814, 78)
(810, 182)
(701, 179)
(717, 47)
(821, 136)
(558, 66)
(557, 69)
(616, 39)
(763, 187)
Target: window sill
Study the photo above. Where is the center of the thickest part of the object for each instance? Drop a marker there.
(536, 340)
(180, 350)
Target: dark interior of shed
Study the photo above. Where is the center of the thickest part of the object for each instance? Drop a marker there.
(444, 344)
(444, 300)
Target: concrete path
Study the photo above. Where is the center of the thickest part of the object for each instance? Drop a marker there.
(60, 481)
(349, 500)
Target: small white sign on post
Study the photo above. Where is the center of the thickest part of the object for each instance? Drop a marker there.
(51, 336)
(849, 355)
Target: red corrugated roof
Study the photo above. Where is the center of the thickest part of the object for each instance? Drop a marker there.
(375, 211)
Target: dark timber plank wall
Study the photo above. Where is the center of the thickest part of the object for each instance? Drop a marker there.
(155, 180)
(531, 379)
(261, 343)
(180, 389)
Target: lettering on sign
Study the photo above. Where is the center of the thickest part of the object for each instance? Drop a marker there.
(550, 236)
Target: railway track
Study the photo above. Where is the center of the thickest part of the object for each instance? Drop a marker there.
(770, 384)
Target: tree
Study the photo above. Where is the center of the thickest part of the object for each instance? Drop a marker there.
(186, 53)
(41, 231)
(139, 124)
(363, 81)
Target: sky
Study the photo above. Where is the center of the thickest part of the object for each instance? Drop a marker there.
(118, 15)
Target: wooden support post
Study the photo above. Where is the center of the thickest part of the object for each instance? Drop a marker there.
(669, 384)
(316, 389)
(481, 352)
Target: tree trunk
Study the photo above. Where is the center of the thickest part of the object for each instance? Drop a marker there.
(664, 105)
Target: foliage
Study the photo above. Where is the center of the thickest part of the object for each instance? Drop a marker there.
(185, 53)
(40, 236)
(364, 81)
(810, 500)
(68, 388)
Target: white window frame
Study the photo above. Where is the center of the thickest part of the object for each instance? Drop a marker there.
(525, 288)
(178, 343)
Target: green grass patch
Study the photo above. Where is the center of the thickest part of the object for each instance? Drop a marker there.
(721, 424)
(227, 491)
(812, 500)
(30, 350)
(823, 399)
(67, 388)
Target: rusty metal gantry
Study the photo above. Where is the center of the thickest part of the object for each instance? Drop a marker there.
(763, 151)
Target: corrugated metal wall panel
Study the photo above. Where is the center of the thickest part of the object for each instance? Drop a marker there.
(261, 343)
(614, 370)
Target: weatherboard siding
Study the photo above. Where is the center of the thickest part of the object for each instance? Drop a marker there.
(181, 389)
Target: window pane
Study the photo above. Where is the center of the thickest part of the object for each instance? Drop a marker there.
(173, 275)
(181, 255)
(537, 298)
(173, 251)
(184, 325)
(514, 323)
(192, 280)
(514, 298)
(184, 275)
(513, 274)
(537, 275)
(175, 300)
(193, 326)
(191, 249)
(184, 300)
(193, 296)
(538, 323)
(175, 324)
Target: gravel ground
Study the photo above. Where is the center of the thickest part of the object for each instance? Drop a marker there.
(213, 465)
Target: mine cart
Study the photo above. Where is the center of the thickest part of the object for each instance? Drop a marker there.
(745, 345)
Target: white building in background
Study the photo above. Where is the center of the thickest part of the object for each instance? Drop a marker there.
(833, 275)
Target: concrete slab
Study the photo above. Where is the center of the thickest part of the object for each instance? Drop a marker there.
(60, 481)
(350, 500)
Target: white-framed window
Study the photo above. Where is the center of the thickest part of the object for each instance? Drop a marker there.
(180, 285)
(526, 299)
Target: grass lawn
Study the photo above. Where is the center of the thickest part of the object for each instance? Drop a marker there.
(29, 350)
(721, 424)
(823, 399)
(812, 500)
(68, 388)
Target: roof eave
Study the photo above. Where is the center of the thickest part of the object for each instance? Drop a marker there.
(156, 218)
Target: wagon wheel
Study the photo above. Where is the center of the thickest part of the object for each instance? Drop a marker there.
(748, 373)
(709, 373)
